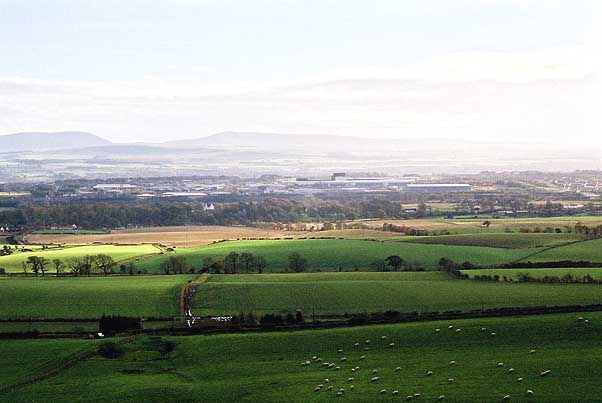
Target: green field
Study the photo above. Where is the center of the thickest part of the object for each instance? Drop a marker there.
(12, 263)
(265, 367)
(332, 254)
(577, 272)
(338, 293)
(499, 240)
(589, 251)
(90, 297)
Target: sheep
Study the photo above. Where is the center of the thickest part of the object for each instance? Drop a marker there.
(375, 379)
(337, 368)
(529, 392)
(356, 345)
(580, 318)
(545, 373)
(363, 357)
(342, 390)
(429, 373)
(395, 392)
(586, 321)
(500, 364)
(493, 334)
(450, 327)
(383, 337)
(366, 348)
(340, 351)
(416, 395)
(315, 357)
(331, 365)
(483, 329)
(349, 379)
(339, 394)
(409, 397)
(357, 368)
(320, 385)
(507, 397)
(383, 391)
(441, 397)
(450, 380)
(352, 387)
(374, 371)
(367, 341)
(452, 362)
(317, 388)
(326, 380)
(397, 369)
(329, 387)
(391, 344)
(343, 358)
(532, 352)
(511, 370)
(519, 380)
(458, 330)
(437, 330)
(352, 369)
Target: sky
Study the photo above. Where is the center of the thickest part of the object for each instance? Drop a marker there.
(149, 71)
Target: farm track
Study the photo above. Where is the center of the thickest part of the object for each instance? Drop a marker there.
(69, 362)
(187, 293)
(547, 249)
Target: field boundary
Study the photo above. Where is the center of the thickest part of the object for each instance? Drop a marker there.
(67, 363)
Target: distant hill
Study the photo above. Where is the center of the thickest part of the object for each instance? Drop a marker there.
(40, 141)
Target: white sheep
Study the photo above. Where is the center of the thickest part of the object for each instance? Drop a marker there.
(383, 337)
(532, 352)
(458, 330)
(349, 379)
(500, 364)
(511, 370)
(519, 380)
(317, 388)
(545, 373)
(356, 345)
(397, 369)
(344, 359)
(493, 334)
(450, 327)
(329, 387)
(437, 330)
(391, 344)
(409, 397)
(366, 348)
(452, 362)
(450, 380)
(429, 373)
(441, 397)
(375, 379)
(363, 357)
(339, 394)
(416, 395)
(367, 341)
(395, 392)
(374, 371)
(352, 387)
(507, 397)
(326, 380)
(337, 368)
(483, 329)
(352, 369)
(340, 351)
(529, 392)
(383, 391)
(357, 368)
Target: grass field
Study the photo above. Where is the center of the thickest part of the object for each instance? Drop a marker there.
(12, 263)
(90, 297)
(338, 293)
(332, 254)
(265, 367)
(577, 272)
(500, 240)
(589, 250)
(184, 236)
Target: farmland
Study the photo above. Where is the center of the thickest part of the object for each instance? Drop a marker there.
(266, 365)
(576, 272)
(498, 240)
(332, 254)
(13, 263)
(339, 293)
(588, 250)
(183, 236)
(90, 297)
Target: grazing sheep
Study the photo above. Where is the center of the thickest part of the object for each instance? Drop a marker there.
(580, 318)
(374, 371)
(429, 373)
(450, 327)
(452, 362)
(320, 386)
(493, 334)
(483, 329)
(363, 357)
(500, 364)
(367, 341)
(416, 395)
(441, 397)
(352, 387)
(391, 344)
(383, 337)
(339, 394)
(519, 380)
(529, 392)
(349, 379)
(337, 368)
(450, 380)
(342, 390)
(329, 387)
(586, 321)
(395, 393)
(458, 330)
(545, 373)
(437, 330)
(317, 388)
(507, 397)
(357, 368)
(375, 379)
(397, 369)
(331, 365)
(383, 391)
(356, 345)
(511, 370)
(352, 369)
(340, 351)
(409, 397)
(532, 352)
(344, 359)
(366, 348)
(327, 380)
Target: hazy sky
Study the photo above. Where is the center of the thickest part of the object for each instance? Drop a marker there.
(154, 70)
